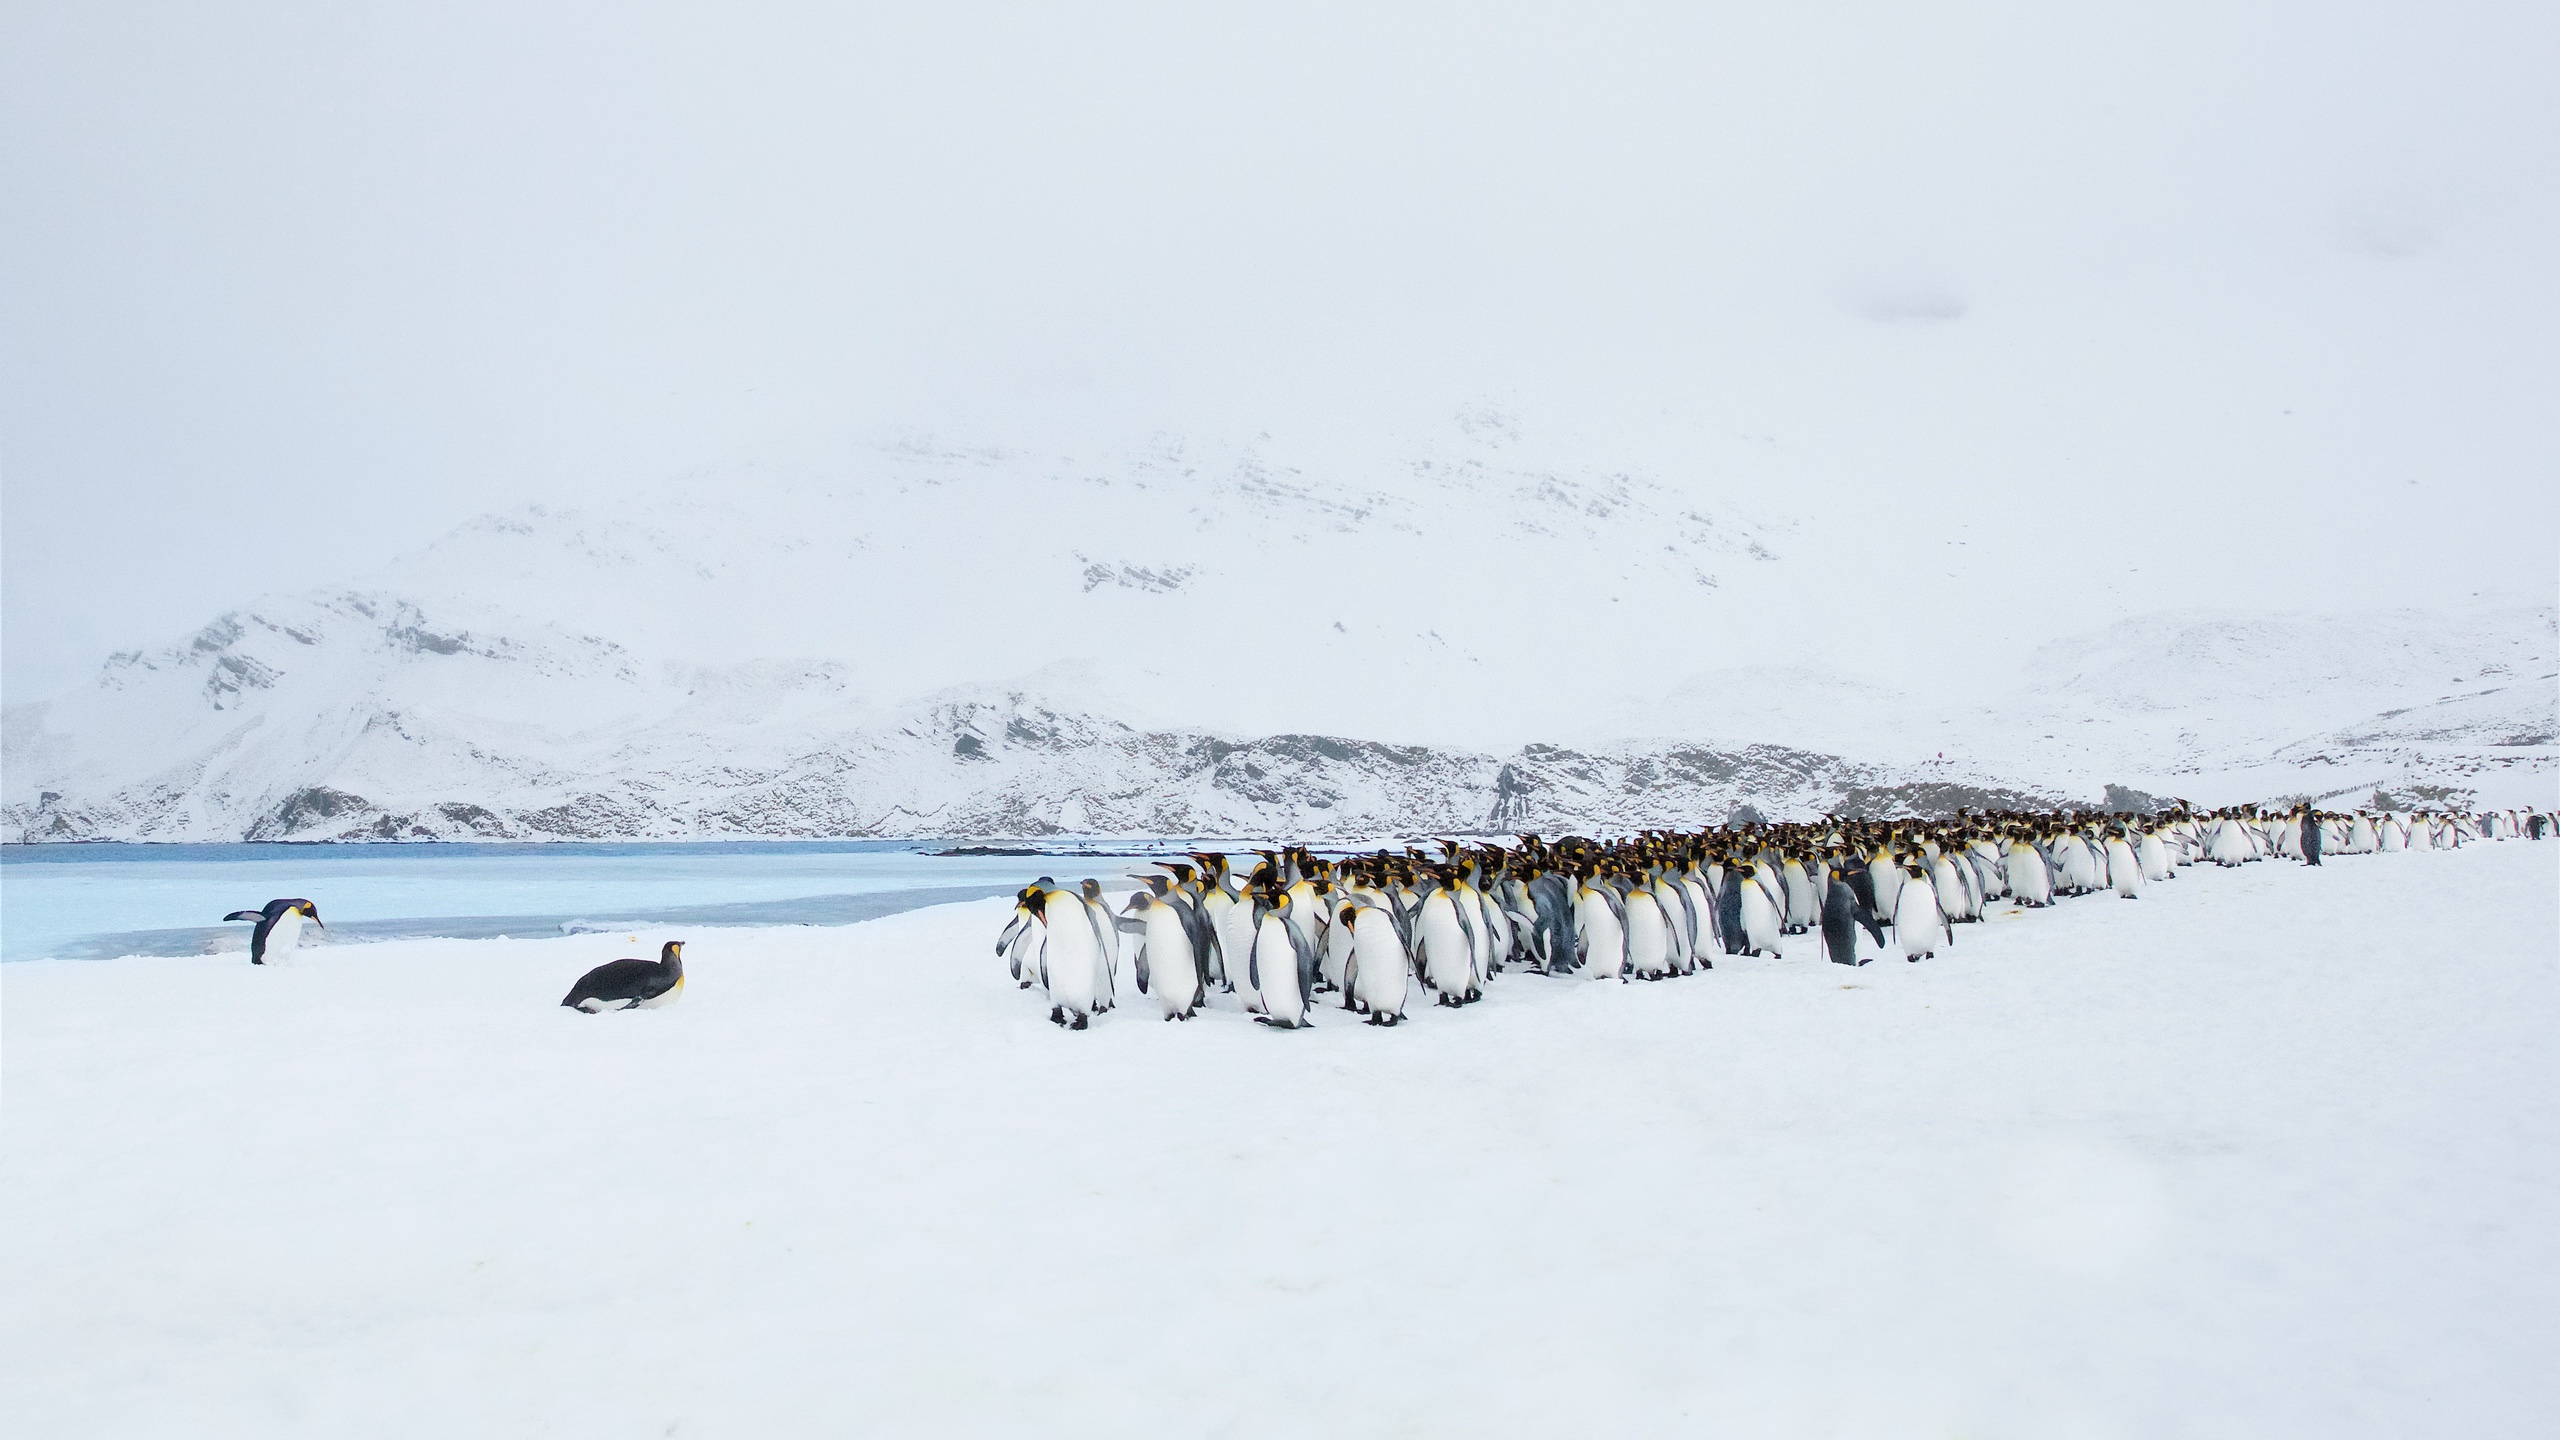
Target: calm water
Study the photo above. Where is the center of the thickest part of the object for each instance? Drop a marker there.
(99, 901)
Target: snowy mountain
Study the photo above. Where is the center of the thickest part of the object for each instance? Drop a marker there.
(1459, 635)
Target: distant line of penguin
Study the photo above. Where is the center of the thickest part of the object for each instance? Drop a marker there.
(1368, 929)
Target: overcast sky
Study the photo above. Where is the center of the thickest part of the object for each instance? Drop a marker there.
(286, 289)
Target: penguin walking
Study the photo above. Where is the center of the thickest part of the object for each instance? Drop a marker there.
(631, 984)
(279, 928)
(1070, 959)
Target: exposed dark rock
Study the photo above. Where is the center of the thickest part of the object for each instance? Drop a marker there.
(1937, 799)
(312, 807)
(2122, 800)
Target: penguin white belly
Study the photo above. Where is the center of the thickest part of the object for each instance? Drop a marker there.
(2028, 879)
(1887, 880)
(1759, 919)
(1235, 942)
(2124, 871)
(1339, 943)
(2154, 858)
(1448, 956)
(1603, 939)
(1648, 949)
(1950, 889)
(1380, 969)
(1675, 927)
(1803, 910)
(1171, 972)
(1107, 954)
(1702, 935)
(1070, 955)
(1917, 925)
(1275, 972)
(1479, 943)
(283, 936)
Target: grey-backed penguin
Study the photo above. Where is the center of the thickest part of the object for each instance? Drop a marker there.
(1843, 915)
(279, 927)
(631, 984)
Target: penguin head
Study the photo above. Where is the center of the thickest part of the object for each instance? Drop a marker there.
(311, 910)
(1091, 889)
(671, 953)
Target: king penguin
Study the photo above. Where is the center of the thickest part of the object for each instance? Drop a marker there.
(1377, 975)
(1918, 923)
(631, 984)
(1843, 914)
(279, 927)
(1166, 965)
(1283, 964)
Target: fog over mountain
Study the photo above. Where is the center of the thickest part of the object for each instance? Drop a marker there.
(561, 420)
(1193, 638)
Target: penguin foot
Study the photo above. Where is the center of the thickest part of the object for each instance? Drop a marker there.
(1080, 1022)
(1057, 1014)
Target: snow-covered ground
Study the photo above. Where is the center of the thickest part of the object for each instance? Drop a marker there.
(2269, 1152)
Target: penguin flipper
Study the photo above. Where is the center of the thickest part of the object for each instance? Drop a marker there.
(244, 915)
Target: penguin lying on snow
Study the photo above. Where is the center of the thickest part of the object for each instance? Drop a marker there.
(631, 984)
(279, 927)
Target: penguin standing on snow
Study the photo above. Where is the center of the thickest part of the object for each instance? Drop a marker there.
(1917, 921)
(279, 927)
(2311, 836)
(1843, 915)
(631, 984)
(1164, 958)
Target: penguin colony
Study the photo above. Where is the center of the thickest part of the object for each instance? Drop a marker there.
(1359, 933)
